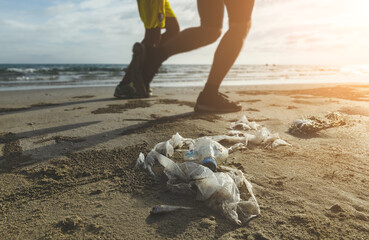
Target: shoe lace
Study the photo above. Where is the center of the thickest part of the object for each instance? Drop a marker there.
(223, 95)
(223, 98)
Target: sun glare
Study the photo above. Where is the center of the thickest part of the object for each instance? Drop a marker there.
(362, 9)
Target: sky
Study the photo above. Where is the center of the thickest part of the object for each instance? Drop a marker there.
(103, 31)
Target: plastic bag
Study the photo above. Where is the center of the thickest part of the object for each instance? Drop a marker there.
(260, 136)
(164, 148)
(219, 190)
(264, 136)
(236, 133)
(231, 139)
(236, 147)
(205, 147)
(244, 124)
(176, 141)
(280, 142)
(146, 163)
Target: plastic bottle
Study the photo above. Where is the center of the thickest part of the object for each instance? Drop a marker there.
(205, 147)
(210, 163)
(191, 155)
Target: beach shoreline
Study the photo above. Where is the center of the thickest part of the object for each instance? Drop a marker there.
(49, 76)
(67, 164)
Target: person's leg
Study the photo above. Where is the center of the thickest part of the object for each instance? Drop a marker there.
(171, 29)
(211, 15)
(148, 13)
(210, 100)
(171, 23)
(239, 12)
(152, 37)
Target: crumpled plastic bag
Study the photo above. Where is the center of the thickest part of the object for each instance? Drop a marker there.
(230, 139)
(177, 141)
(244, 124)
(205, 147)
(312, 124)
(280, 142)
(220, 190)
(148, 162)
(164, 148)
(236, 147)
(262, 136)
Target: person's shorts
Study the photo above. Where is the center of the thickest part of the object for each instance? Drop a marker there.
(154, 12)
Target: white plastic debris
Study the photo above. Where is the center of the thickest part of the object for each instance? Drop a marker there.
(146, 163)
(140, 160)
(165, 148)
(302, 123)
(205, 147)
(220, 190)
(254, 125)
(236, 147)
(240, 126)
(280, 142)
(244, 124)
(262, 136)
(230, 139)
(259, 137)
(312, 124)
(235, 133)
(177, 141)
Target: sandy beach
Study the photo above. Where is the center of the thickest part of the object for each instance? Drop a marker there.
(67, 160)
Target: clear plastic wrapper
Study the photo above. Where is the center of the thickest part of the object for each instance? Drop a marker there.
(244, 124)
(177, 141)
(279, 142)
(205, 147)
(165, 148)
(219, 190)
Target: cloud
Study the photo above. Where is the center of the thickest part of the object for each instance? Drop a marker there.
(104, 31)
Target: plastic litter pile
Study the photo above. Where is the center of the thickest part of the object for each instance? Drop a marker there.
(220, 190)
(310, 125)
(238, 135)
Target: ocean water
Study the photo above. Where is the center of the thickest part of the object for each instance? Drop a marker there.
(42, 76)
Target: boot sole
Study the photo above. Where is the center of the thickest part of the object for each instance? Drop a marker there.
(205, 109)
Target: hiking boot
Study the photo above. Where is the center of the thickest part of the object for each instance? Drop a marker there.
(126, 91)
(137, 67)
(216, 102)
(126, 78)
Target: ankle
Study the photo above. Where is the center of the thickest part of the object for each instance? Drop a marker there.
(210, 88)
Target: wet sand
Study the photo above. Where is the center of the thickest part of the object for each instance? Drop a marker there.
(67, 161)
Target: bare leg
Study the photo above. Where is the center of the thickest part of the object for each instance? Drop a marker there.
(152, 37)
(239, 12)
(172, 29)
(211, 13)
